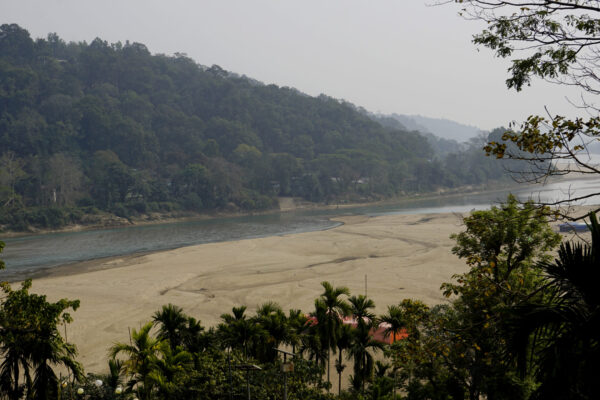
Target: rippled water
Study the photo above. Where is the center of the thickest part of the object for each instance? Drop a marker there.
(26, 255)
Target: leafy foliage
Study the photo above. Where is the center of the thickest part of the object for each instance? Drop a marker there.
(556, 337)
(555, 41)
(111, 127)
(31, 344)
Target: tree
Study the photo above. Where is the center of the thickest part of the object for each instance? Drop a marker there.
(2, 264)
(296, 327)
(31, 344)
(141, 356)
(504, 241)
(171, 322)
(334, 309)
(395, 321)
(557, 336)
(344, 341)
(360, 309)
(362, 340)
(502, 246)
(10, 172)
(273, 321)
(171, 371)
(459, 349)
(558, 41)
(194, 339)
(64, 179)
(314, 341)
(238, 331)
(361, 347)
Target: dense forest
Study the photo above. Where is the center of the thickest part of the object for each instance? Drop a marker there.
(99, 127)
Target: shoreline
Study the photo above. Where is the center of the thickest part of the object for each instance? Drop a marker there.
(296, 206)
(287, 205)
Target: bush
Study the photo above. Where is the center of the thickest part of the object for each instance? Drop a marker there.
(85, 202)
(47, 217)
(192, 202)
(120, 210)
(139, 206)
(167, 206)
(75, 214)
(153, 206)
(252, 200)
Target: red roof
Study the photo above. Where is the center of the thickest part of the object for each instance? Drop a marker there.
(377, 333)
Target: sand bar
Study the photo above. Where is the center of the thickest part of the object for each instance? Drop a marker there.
(403, 256)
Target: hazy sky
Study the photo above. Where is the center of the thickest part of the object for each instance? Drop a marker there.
(385, 55)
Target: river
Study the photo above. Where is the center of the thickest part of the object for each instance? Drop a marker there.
(27, 255)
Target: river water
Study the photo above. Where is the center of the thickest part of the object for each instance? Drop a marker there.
(27, 255)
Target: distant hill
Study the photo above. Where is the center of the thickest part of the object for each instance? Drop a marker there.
(113, 128)
(443, 128)
(441, 146)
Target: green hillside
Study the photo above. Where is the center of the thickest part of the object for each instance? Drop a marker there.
(99, 126)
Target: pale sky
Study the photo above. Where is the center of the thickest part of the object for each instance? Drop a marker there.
(387, 56)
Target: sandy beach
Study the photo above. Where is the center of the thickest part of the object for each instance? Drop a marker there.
(403, 256)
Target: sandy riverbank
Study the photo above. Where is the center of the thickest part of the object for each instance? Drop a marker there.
(402, 255)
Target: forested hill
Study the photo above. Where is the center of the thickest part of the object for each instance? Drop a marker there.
(99, 126)
(441, 127)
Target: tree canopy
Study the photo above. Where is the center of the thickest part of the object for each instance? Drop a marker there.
(555, 41)
(90, 127)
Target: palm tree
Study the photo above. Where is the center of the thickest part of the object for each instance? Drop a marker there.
(335, 308)
(237, 331)
(47, 351)
(297, 326)
(170, 370)
(31, 344)
(142, 354)
(273, 321)
(561, 333)
(15, 350)
(313, 340)
(344, 341)
(360, 350)
(113, 378)
(194, 340)
(396, 321)
(171, 322)
(360, 307)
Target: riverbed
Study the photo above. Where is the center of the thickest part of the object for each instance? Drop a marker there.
(30, 255)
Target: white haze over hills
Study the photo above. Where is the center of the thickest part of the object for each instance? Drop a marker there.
(440, 127)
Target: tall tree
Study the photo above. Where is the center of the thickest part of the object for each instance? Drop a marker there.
(361, 348)
(239, 332)
(171, 371)
(141, 355)
(555, 40)
(10, 172)
(344, 341)
(31, 344)
(394, 320)
(171, 322)
(273, 321)
(502, 246)
(557, 336)
(335, 308)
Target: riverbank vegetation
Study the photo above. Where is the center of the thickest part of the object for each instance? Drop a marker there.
(517, 325)
(95, 128)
